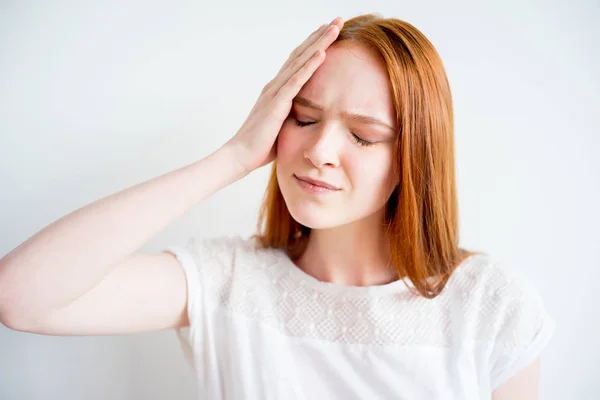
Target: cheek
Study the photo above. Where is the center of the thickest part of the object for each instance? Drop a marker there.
(372, 176)
(288, 145)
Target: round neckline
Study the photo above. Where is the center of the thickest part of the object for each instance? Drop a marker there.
(399, 286)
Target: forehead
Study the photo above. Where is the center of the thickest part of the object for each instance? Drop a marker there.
(352, 78)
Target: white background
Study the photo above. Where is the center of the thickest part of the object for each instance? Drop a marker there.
(96, 97)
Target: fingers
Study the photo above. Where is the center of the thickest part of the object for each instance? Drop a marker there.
(315, 36)
(304, 45)
(295, 53)
(337, 21)
(301, 51)
(293, 85)
(321, 43)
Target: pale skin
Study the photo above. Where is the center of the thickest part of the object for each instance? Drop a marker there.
(82, 274)
(353, 154)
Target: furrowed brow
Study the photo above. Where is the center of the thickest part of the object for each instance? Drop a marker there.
(365, 119)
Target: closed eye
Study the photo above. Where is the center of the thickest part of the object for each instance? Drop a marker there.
(358, 140)
(301, 123)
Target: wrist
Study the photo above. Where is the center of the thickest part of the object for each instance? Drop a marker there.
(233, 159)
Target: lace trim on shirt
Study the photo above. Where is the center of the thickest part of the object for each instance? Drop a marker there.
(479, 302)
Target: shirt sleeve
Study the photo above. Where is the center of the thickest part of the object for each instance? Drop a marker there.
(523, 327)
(204, 261)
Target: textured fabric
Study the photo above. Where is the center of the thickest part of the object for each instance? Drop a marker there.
(261, 328)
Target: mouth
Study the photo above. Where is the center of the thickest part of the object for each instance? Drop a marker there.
(314, 185)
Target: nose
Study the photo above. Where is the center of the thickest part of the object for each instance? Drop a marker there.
(323, 150)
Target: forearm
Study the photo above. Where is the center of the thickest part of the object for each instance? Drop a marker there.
(70, 256)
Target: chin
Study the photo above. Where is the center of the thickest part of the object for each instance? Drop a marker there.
(314, 216)
(317, 215)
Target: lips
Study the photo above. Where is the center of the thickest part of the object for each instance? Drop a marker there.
(317, 182)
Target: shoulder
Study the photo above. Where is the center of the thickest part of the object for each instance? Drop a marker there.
(503, 307)
(483, 279)
(222, 253)
(498, 290)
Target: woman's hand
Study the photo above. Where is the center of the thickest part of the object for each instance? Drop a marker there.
(254, 143)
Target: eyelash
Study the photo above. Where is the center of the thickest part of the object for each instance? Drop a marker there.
(360, 141)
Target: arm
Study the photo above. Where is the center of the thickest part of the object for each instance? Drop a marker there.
(522, 386)
(80, 274)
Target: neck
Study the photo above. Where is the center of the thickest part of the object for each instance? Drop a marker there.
(355, 254)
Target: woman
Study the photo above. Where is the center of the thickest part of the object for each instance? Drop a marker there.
(354, 287)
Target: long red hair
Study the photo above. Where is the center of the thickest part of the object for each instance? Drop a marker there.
(422, 212)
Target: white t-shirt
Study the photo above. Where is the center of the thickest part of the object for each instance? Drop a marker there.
(261, 328)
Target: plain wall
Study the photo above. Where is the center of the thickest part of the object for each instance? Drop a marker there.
(98, 96)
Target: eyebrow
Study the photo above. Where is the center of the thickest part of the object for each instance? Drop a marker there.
(365, 119)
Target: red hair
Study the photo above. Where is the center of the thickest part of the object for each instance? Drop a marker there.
(422, 212)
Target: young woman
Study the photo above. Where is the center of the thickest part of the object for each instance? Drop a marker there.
(354, 286)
